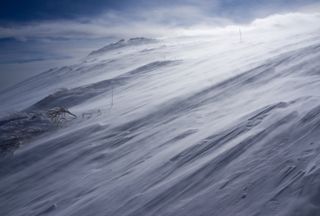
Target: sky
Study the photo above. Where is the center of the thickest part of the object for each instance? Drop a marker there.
(36, 35)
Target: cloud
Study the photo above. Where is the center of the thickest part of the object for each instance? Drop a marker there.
(154, 22)
(26, 11)
(293, 20)
(161, 21)
(97, 19)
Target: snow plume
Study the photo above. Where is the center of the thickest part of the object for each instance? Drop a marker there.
(52, 42)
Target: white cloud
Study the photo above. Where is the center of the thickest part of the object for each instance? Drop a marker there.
(154, 23)
(150, 21)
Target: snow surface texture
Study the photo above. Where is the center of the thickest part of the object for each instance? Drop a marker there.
(190, 126)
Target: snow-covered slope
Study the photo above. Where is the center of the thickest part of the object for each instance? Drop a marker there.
(198, 125)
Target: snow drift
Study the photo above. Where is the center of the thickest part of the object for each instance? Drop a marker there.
(197, 125)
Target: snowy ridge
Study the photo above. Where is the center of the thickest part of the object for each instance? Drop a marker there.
(123, 43)
(201, 125)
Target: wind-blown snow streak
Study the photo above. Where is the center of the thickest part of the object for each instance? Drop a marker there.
(202, 125)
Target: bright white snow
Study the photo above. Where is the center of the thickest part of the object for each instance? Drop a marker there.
(201, 124)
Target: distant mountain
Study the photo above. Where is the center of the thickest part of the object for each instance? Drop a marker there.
(123, 43)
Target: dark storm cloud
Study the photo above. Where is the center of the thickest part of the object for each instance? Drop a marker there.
(13, 11)
(34, 10)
